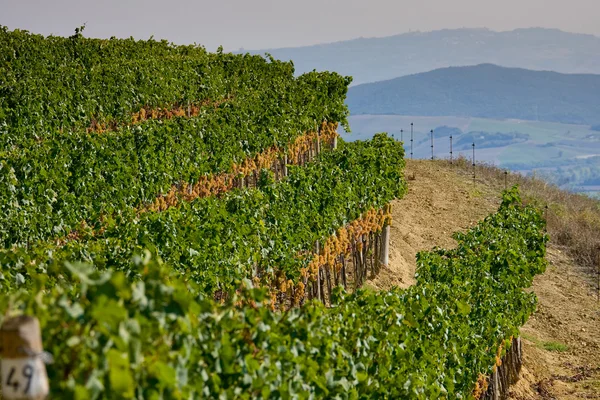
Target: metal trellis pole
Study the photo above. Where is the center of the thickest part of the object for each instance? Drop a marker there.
(432, 144)
(450, 149)
(473, 162)
(411, 140)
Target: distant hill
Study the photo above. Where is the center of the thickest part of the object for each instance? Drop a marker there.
(376, 59)
(485, 91)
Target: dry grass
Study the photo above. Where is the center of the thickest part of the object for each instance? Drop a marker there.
(573, 220)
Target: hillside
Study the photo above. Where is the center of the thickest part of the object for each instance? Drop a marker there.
(375, 59)
(211, 236)
(562, 338)
(208, 235)
(485, 91)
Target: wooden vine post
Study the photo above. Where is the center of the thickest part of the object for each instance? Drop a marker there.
(319, 143)
(23, 370)
(385, 240)
(319, 294)
(505, 374)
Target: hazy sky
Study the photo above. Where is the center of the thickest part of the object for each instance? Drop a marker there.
(259, 24)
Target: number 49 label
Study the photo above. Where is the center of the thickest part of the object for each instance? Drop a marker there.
(24, 378)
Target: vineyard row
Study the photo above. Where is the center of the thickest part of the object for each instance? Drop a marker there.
(245, 175)
(54, 84)
(51, 187)
(113, 335)
(267, 232)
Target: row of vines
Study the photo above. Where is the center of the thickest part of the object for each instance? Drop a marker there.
(91, 127)
(267, 233)
(53, 86)
(159, 336)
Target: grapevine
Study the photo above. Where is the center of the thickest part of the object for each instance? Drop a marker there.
(439, 338)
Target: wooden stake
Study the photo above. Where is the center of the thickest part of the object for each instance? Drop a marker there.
(344, 280)
(354, 264)
(319, 293)
(323, 284)
(318, 144)
(376, 252)
(366, 248)
(335, 273)
(385, 246)
(372, 238)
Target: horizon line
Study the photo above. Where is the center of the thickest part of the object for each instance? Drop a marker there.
(413, 32)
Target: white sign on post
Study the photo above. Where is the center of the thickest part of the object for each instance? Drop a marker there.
(24, 378)
(22, 369)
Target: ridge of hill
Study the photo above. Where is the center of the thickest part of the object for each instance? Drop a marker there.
(562, 338)
(485, 91)
(375, 59)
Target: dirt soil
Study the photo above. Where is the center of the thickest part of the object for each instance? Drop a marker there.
(438, 203)
(561, 340)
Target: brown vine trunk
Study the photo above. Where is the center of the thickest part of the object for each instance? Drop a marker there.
(506, 374)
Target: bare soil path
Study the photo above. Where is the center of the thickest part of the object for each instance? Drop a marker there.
(439, 202)
(562, 339)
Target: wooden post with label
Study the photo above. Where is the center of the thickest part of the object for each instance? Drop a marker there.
(22, 366)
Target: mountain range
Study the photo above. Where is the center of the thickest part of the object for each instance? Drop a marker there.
(484, 91)
(376, 59)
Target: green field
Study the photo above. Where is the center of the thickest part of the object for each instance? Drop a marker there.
(560, 150)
